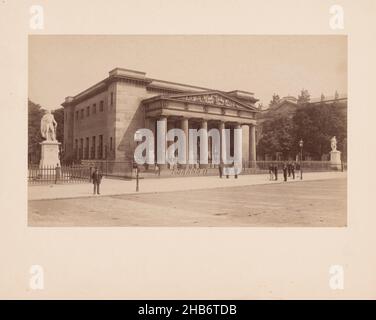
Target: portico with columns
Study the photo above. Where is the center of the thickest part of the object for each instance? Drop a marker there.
(204, 110)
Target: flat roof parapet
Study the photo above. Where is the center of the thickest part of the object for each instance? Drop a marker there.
(127, 73)
(69, 99)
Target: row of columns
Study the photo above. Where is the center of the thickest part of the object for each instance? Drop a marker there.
(205, 141)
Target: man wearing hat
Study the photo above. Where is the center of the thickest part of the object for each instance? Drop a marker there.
(97, 178)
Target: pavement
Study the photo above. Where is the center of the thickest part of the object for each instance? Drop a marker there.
(121, 187)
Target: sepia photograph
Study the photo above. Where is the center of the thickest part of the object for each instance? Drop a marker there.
(191, 159)
(187, 130)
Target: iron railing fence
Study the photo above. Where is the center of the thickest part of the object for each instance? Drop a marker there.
(77, 173)
(57, 174)
(307, 166)
(126, 169)
(110, 168)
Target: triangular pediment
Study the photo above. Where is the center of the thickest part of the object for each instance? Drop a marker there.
(215, 98)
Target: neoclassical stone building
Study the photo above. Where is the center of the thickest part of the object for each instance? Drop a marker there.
(100, 122)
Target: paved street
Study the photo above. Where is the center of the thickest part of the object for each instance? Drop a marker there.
(312, 203)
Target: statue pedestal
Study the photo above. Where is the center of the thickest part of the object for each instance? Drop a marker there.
(335, 160)
(50, 154)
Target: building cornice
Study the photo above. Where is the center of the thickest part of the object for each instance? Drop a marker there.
(139, 78)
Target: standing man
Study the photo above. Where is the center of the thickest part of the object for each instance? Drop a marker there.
(271, 175)
(97, 178)
(285, 171)
(293, 170)
(276, 172)
(289, 168)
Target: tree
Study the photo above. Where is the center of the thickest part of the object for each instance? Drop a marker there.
(35, 114)
(316, 125)
(59, 117)
(275, 100)
(322, 97)
(276, 137)
(304, 97)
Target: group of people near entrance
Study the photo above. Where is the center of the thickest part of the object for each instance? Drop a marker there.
(288, 170)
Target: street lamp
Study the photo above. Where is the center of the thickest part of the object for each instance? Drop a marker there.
(137, 137)
(301, 158)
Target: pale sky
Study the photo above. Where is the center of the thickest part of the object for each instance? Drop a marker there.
(61, 66)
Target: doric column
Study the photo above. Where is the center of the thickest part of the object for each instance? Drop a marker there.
(150, 124)
(252, 141)
(204, 144)
(161, 141)
(246, 144)
(169, 155)
(185, 128)
(238, 144)
(223, 140)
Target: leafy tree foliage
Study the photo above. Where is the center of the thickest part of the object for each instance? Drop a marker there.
(276, 137)
(35, 113)
(59, 117)
(275, 100)
(315, 124)
(304, 97)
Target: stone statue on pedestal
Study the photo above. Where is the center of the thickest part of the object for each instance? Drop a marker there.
(335, 155)
(50, 147)
(333, 143)
(48, 126)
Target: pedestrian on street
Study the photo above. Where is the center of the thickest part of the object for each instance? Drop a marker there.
(271, 175)
(97, 178)
(220, 168)
(276, 172)
(289, 169)
(285, 172)
(293, 170)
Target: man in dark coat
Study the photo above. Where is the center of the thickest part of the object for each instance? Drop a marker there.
(97, 178)
(293, 170)
(271, 173)
(276, 172)
(289, 169)
(285, 171)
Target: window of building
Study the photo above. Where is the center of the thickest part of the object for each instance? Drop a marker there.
(93, 147)
(112, 99)
(100, 147)
(87, 111)
(111, 144)
(87, 148)
(76, 148)
(81, 148)
(76, 115)
(101, 106)
(94, 108)
(82, 113)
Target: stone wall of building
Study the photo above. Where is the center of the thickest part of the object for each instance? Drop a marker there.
(130, 117)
